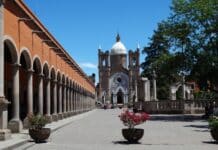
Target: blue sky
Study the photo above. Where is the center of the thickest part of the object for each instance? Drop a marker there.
(81, 26)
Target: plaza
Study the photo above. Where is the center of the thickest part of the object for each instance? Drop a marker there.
(101, 129)
(53, 75)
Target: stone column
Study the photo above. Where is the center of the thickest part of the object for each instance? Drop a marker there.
(60, 115)
(2, 94)
(68, 100)
(29, 97)
(71, 100)
(136, 92)
(40, 100)
(30, 92)
(74, 100)
(115, 99)
(4, 132)
(64, 100)
(154, 87)
(183, 88)
(81, 98)
(80, 102)
(77, 101)
(154, 90)
(54, 115)
(48, 98)
(146, 90)
(15, 123)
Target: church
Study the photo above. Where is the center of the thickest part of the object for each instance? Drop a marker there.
(119, 76)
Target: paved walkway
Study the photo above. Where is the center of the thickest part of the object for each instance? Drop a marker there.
(23, 137)
(101, 130)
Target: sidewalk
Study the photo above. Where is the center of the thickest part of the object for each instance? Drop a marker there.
(23, 137)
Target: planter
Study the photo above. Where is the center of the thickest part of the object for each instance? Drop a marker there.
(39, 135)
(133, 135)
(214, 133)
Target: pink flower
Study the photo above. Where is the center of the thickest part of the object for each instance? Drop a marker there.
(132, 119)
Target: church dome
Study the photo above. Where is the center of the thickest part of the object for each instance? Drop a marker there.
(118, 48)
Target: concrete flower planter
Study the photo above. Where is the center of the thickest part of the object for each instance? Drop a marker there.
(214, 133)
(39, 135)
(133, 135)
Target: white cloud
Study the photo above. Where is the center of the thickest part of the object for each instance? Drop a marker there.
(88, 65)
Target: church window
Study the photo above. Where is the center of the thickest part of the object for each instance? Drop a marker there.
(134, 61)
(103, 62)
(119, 80)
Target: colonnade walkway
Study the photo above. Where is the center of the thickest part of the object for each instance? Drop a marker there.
(101, 130)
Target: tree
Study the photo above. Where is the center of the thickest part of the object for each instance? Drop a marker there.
(185, 42)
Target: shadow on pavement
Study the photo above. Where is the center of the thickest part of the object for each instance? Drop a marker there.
(124, 142)
(198, 126)
(210, 142)
(181, 118)
(202, 130)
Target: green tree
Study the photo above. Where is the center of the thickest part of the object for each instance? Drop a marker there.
(185, 42)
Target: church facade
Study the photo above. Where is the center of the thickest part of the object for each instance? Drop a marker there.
(119, 76)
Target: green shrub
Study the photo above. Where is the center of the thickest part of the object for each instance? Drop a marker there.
(37, 121)
(213, 123)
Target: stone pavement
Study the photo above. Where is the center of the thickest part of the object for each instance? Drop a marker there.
(23, 137)
(101, 130)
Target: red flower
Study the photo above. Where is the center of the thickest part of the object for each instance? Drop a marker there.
(132, 119)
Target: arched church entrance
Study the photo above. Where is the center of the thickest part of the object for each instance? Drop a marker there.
(120, 97)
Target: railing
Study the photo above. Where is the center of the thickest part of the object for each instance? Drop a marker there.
(174, 106)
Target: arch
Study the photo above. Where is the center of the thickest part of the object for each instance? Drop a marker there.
(71, 83)
(118, 79)
(74, 85)
(67, 80)
(52, 73)
(59, 86)
(120, 96)
(118, 89)
(37, 68)
(26, 65)
(176, 87)
(37, 65)
(46, 85)
(25, 52)
(10, 57)
(46, 70)
(63, 78)
(67, 93)
(52, 86)
(10, 50)
(58, 76)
